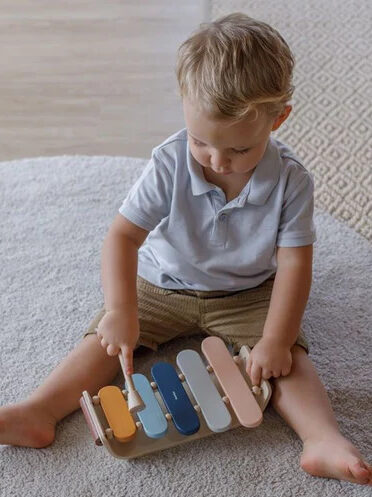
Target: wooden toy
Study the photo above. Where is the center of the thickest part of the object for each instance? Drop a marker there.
(134, 400)
(202, 400)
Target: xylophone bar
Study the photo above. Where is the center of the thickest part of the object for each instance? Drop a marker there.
(175, 398)
(117, 413)
(204, 390)
(232, 382)
(152, 417)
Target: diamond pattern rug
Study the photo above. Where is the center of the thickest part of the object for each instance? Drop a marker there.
(330, 127)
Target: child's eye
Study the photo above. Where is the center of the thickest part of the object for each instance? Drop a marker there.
(242, 151)
(200, 144)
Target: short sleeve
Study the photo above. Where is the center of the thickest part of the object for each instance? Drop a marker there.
(296, 226)
(149, 199)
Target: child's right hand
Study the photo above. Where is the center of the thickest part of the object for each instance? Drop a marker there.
(118, 331)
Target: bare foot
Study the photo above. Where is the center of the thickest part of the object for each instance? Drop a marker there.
(335, 457)
(26, 425)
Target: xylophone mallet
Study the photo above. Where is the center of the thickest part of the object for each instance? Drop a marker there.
(135, 402)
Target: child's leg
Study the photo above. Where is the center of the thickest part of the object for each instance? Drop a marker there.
(32, 422)
(300, 397)
(302, 401)
(162, 315)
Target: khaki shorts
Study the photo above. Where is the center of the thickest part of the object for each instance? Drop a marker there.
(236, 317)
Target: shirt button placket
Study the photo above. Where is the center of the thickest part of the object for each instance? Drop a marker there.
(218, 236)
(219, 230)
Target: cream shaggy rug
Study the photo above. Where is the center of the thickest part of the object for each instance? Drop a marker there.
(54, 215)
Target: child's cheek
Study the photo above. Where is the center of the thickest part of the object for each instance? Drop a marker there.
(199, 155)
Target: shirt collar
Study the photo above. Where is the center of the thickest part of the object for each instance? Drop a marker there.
(266, 175)
(199, 184)
(263, 180)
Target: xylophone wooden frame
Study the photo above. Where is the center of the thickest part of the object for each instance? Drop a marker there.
(142, 445)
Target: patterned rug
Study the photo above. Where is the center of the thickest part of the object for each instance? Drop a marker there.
(331, 122)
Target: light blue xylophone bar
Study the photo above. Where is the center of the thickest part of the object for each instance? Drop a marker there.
(152, 417)
(214, 410)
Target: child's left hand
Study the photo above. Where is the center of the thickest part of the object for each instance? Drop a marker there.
(269, 357)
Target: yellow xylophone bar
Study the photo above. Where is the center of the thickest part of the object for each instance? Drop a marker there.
(117, 413)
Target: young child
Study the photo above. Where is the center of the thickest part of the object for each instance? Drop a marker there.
(216, 235)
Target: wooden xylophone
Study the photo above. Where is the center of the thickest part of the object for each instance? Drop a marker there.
(200, 401)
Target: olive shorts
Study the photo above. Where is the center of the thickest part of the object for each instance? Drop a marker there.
(237, 317)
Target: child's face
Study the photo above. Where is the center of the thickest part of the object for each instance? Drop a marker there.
(227, 149)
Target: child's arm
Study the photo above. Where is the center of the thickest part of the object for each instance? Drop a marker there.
(119, 263)
(271, 356)
(119, 329)
(290, 293)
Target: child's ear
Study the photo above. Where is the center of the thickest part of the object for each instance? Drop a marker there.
(282, 117)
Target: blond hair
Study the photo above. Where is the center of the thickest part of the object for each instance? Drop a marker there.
(235, 65)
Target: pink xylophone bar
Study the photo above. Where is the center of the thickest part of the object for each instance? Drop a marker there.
(199, 401)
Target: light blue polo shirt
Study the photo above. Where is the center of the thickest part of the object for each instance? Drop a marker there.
(197, 240)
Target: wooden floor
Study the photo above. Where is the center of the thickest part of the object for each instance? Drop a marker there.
(90, 77)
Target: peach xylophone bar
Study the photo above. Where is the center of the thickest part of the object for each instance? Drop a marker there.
(230, 378)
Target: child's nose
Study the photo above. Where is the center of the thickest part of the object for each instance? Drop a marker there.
(219, 160)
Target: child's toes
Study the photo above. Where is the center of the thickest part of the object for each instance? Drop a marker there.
(361, 472)
(335, 458)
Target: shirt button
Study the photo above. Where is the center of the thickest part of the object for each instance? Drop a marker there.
(223, 217)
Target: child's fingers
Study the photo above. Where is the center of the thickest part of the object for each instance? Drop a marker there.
(256, 372)
(112, 350)
(286, 371)
(266, 374)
